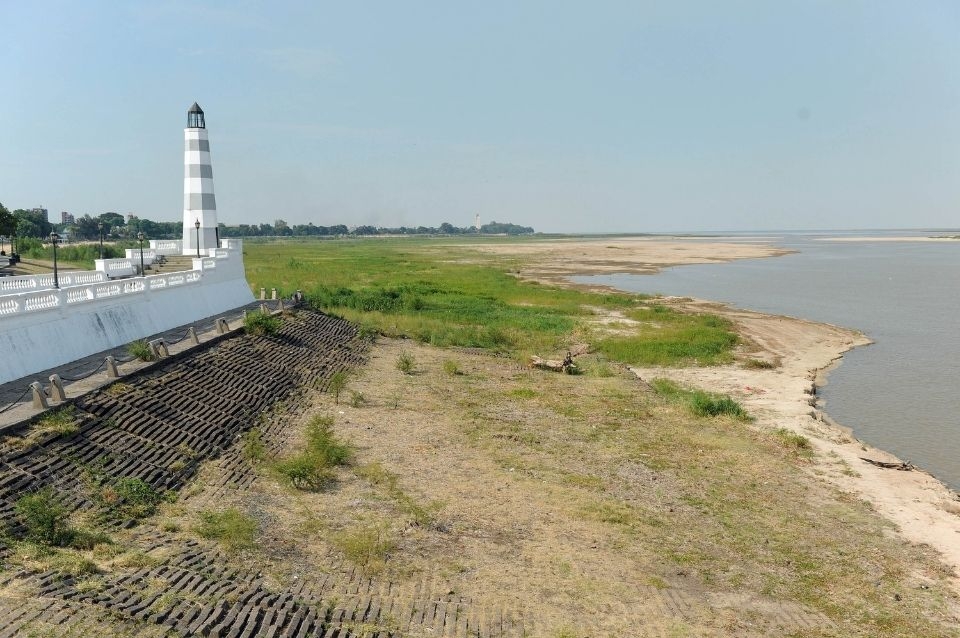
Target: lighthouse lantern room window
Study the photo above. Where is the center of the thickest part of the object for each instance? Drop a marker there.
(195, 117)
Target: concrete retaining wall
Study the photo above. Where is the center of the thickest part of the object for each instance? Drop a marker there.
(47, 328)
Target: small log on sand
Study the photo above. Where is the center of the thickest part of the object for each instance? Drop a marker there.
(904, 467)
(567, 365)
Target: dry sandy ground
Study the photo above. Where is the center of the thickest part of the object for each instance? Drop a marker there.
(924, 510)
(552, 260)
(894, 239)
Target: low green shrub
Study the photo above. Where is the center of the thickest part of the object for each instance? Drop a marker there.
(451, 367)
(261, 323)
(368, 547)
(357, 400)
(759, 364)
(312, 468)
(253, 447)
(140, 349)
(44, 518)
(405, 362)
(338, 382)
(304, 472)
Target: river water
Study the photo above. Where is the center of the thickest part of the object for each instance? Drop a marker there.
(899, 394)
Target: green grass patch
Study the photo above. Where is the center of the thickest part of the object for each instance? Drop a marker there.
(667, 337)
(416, 289)
(796, 444)
(376, 475)
(700, 403)
(233, 529)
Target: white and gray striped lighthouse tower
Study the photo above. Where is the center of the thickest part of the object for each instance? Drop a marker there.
(199, 203)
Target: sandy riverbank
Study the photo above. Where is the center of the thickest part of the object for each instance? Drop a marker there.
(922, 508)
(555, 260)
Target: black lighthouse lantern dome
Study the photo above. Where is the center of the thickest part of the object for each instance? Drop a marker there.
(195, 117)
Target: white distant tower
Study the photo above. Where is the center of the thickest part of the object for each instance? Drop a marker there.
(199, 203)
(476, 221)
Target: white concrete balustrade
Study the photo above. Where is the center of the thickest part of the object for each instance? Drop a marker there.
(42, 327)
(149, 256)
(39, 282)
(166, 247)
(26, 302)
(116, 268)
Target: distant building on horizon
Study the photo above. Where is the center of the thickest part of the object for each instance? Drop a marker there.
(66, 218)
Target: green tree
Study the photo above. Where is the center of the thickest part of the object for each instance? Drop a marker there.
(8, 223)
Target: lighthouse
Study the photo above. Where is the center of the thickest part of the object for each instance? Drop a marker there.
(199, 204)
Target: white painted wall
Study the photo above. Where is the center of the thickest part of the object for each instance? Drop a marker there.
(42, 329)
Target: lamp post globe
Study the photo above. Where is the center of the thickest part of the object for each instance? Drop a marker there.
(196, 225)
(54, 238)
(100, 229)
(140, 238)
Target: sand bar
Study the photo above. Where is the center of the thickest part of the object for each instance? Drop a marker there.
(555, 260)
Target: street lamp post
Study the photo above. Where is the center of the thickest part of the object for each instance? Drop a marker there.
(100, 228)
(54, 238)
(140, 238)
(196, 225)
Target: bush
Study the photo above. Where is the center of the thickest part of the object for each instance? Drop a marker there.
(338, 381)
(357, 400)
(138, 497)
(44, 517)
(450, 367)
(261, 323)
(140, 349)
(312, 468)
(405, 362)
(253, 447)
(366, 546)
(759, 364)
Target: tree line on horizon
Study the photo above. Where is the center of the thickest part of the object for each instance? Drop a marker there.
(34, 224)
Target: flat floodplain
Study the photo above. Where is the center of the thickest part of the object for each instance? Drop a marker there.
(443, 487)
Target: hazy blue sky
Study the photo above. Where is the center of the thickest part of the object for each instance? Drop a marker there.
(566, 116)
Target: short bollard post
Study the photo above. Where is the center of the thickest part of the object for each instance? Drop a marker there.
(273, 293)
(159, 348)
(57, 393)
(192, 333)
(222, 326)
(263, 294)
(39, 396)
(112, 371)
